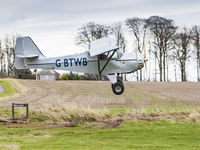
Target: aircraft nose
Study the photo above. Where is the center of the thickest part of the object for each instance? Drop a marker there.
(141, 60)
(140, 65)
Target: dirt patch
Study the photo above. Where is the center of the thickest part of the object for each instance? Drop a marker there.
(10, 146)
(114, 123)
(16, 120)
(104, 124)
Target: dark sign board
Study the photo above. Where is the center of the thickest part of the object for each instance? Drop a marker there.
(19, 105)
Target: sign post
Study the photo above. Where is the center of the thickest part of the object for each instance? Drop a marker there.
(19, 105)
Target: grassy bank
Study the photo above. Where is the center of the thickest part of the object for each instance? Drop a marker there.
(130, 135)
(9, 88)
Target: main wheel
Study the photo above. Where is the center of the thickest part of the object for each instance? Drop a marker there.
(118, 88)
(118, 80)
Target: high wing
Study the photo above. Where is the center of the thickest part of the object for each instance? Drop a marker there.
(101, 46)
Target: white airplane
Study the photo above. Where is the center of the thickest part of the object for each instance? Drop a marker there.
(103, 58)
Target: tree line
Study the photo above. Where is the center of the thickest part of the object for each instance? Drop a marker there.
(166, 43)
(7, 56)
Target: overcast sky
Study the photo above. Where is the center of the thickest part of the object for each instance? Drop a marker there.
(53, 24)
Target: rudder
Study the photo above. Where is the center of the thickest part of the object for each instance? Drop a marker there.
(25, 49)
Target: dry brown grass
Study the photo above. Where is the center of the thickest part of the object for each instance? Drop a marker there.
(69, 112)
(93, 100)
(99, 94)
(185, 116)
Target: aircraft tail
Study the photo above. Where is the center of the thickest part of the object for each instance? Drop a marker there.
(25, 49)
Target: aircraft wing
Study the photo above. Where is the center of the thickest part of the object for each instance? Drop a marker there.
(102, 45)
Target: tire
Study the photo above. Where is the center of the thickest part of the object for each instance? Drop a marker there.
(118, 88)
(118, 80)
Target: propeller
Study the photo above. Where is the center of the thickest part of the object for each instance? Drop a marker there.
(145, 57)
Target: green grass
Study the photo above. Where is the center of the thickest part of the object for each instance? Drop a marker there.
(132, 135)
(9, 89)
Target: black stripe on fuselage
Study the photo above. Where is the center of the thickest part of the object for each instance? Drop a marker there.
(41, 64)
(113, 59)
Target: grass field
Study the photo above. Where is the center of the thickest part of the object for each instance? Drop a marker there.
(9, 88)
(76, 115)
(132, 135)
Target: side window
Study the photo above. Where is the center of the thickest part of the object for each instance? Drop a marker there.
(103, 56)
(115, 56)
(110, 53)
(119, 54)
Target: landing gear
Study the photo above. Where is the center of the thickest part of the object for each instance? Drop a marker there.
(118, 87)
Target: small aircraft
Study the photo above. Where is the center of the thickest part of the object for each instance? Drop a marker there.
(103, 58)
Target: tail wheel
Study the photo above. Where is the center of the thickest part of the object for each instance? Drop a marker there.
(118, 88)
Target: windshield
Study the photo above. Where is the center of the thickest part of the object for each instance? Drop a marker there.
(117, 55)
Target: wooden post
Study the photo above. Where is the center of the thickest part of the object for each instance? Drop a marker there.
(98, 57)
(13, 114)
(26, 111)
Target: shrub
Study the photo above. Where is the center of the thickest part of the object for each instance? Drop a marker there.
(65, 77)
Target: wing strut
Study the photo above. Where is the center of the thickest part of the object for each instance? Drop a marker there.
(102, 69)
(99, 67)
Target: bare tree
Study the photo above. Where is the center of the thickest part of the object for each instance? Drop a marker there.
(182, 50)
(9, 51)
(90, 32)
(163, 30)
(138, 28)
(155, 53)
(119, 34)
(121, 41)
(149, 60)
(195, 35)
(175, 70)
(2, 58)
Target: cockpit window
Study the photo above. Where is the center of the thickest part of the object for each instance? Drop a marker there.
(117, 55)
(103, 56)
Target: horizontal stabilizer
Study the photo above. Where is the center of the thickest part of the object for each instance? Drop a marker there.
(102, 46)
(27, 56)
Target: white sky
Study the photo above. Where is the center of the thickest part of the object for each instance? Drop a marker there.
(53, 25)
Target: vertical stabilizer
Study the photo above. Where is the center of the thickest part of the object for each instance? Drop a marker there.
(25, 49)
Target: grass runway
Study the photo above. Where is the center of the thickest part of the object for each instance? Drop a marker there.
(152, 116)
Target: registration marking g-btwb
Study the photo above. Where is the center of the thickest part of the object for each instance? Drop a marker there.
(71, 61)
